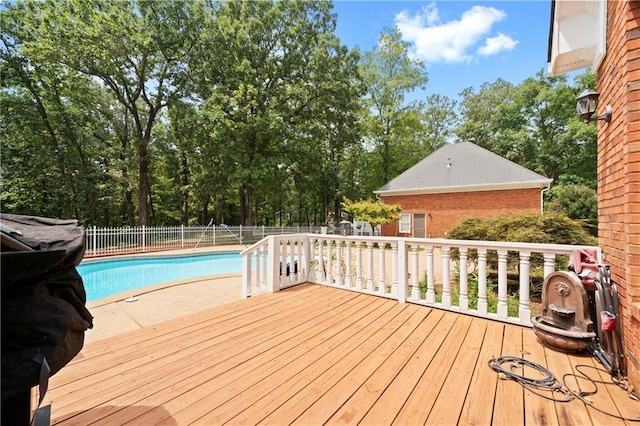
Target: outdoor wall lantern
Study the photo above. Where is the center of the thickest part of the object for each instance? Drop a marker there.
(587, 103)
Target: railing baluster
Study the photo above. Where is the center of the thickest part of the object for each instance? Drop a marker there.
(525, 279)
(482, 281)
(502, 284)
(348, 276)
(431, 282)
(359, 265)
(549, 263)
(415, 278)
(321, 260)
(446, 279)
(464, 279)
(339, 263)
(394, 269)
(382, 286)
(370, 266)
(329, 262)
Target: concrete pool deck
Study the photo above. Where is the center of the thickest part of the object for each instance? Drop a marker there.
(154, 304)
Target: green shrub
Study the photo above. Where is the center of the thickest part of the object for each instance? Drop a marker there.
(546, 228)
(549, 228)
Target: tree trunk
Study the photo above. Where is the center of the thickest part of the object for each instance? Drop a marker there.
(246, 201)
(143, 185)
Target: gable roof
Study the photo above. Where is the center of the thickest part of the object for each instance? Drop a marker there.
(463, 167)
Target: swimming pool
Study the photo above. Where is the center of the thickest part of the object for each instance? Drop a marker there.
(107, 277)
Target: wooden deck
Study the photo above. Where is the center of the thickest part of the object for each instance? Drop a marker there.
(313, 355)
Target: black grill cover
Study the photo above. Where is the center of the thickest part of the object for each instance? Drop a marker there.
(43, 297)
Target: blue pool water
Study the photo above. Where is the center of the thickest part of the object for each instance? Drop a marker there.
(106, 277)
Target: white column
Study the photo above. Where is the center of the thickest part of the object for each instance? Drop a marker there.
(370, 266)
(415, 279)
(446, 278)
(525, 279)
(431, 282)
(359, 266)
(464, 282)
(348, 277)
(382, 286)
(482, 281)
(549, 263)
(502, 284)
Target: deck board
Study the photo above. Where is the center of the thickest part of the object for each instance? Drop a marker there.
(317, 355)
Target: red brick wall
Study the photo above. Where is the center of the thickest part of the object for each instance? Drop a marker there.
(619, 169)
(443, 211)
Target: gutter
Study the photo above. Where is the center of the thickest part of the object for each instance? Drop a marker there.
(542, 197)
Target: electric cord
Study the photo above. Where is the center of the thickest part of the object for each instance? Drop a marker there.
(549, 382)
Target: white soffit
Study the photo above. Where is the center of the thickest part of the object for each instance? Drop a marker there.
(578, 35)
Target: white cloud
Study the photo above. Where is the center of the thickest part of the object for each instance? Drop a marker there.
(497, 44)
(453, 41)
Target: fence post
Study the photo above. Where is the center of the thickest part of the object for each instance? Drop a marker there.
(144, 238)
(241, 234)
(182, 236)
(214, 235)
(94, 240)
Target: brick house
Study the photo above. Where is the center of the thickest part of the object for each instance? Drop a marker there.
(457, 181)
(605, 35)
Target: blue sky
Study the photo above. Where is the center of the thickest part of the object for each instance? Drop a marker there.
(462, 43)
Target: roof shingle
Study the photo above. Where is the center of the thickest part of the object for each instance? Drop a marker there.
(463, 167)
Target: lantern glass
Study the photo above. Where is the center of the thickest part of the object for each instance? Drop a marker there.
(587, 103)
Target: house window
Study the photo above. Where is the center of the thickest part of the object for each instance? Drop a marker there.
(405, 223)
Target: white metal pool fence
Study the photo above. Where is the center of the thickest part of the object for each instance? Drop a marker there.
(140, 239)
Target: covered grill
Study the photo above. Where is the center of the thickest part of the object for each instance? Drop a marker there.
(44, 317)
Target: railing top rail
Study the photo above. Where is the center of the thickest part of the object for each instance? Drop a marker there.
(515, 246)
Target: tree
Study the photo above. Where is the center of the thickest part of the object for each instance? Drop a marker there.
(533, 124)
(374, 212)
(390, 124)
(576, 201)
(279, 89)
(135, 50)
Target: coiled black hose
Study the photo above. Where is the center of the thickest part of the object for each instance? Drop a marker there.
(549, 382)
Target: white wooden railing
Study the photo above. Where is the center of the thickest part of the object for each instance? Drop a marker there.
(450, 274)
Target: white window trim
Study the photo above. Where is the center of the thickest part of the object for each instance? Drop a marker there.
(405, 223)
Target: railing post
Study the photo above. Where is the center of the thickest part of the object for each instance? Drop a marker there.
(502, 284)
(273, 266)
(306, 260)
(246, 275)
(524, 310)
(241, 234)
(482, 281)
(401, 259)
(464, 279)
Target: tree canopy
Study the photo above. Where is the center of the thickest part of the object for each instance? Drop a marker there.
(169, 112)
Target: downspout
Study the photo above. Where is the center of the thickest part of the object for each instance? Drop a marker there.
(542, 197)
